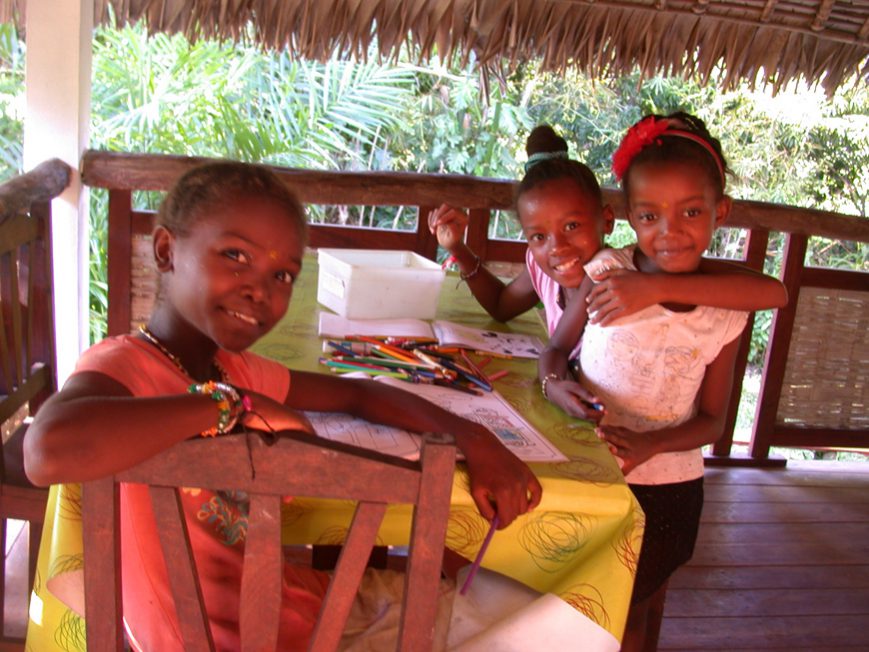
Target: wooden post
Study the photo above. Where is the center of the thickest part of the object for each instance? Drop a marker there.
(777, 351)
(754, 257)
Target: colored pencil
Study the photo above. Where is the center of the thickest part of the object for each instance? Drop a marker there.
(368, 369)
(385, 362)
(441, 382)
(498, 374)
(478, 560)
(504, 356)
(474, 368)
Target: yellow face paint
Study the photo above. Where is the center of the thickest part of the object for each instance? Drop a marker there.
(273, 254)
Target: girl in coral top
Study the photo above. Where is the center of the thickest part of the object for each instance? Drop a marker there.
(228, 245)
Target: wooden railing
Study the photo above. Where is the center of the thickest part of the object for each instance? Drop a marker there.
(122, 174)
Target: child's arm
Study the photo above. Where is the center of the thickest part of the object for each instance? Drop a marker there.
(552, 367)
(502, 301)
(500, 482)
(634, 448)
(94, 427)
(721, 284)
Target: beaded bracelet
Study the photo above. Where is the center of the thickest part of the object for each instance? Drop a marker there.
(473, 272)
(230, 405)
(545, 382)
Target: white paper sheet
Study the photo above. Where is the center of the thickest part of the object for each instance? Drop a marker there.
(491, 410)
(499, 614)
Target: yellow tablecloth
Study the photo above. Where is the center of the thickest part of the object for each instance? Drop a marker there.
(580, 544)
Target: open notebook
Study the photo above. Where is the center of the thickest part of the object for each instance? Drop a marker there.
(490, 409)
(447, 333)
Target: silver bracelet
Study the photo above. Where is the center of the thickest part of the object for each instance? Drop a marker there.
(473, 272)
(545, 382)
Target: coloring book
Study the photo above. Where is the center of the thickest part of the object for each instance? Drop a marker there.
(490, 410)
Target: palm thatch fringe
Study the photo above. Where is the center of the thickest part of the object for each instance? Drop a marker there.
(760, 41)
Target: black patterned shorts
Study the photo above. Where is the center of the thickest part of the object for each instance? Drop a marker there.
(672, 520)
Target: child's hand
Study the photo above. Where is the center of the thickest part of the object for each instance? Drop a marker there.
(618, 293)
(267, 414)
(575, 399)
(500, 482)
(630, 447)
(449, 225)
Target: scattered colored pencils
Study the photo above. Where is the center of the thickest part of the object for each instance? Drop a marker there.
(416, 361)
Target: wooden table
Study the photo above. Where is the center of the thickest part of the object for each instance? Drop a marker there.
(581, 543)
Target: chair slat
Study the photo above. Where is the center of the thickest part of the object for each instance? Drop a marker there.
(181, 567)
(261, 579)
(8, 278)
(101, 511)
(17, 340)
(427, 538)
(351, 565)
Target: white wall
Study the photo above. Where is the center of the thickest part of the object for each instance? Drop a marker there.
(58, 84)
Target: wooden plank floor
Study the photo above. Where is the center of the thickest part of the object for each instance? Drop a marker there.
(782, 563)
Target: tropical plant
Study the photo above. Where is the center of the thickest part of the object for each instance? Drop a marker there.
(156, 93)
(11, 101)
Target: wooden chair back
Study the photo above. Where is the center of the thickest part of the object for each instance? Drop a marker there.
(27, 363)
(296, 465)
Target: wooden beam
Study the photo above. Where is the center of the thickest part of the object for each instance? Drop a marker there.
(783, 435)
(44, 182)
(822, 16)
(768, 8)
(158, 172)
(835, 279)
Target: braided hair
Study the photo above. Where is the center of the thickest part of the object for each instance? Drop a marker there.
(548, 161)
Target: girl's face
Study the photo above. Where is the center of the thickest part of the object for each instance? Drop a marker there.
(231, 277)
(674, 210)
(564, 227)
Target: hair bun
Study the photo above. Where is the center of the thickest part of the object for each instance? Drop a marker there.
(544, 139)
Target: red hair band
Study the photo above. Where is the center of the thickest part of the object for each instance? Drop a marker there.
(649, 131)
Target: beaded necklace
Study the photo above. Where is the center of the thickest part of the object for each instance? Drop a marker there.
(150, 337)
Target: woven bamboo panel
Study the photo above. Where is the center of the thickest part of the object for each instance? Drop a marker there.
(826, 382)
(143, 282)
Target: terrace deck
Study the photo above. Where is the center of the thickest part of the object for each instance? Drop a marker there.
(782, 562)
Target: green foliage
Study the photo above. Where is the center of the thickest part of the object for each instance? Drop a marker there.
(162, 94)
(11, 102)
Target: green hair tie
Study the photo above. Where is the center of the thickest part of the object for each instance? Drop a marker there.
(534, 159)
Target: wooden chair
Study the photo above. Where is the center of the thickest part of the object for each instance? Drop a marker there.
(299, 465)
(27, 366)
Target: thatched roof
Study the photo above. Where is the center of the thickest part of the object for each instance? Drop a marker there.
(767, 41)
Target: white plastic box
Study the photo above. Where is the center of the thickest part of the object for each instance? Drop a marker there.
(378, 284)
